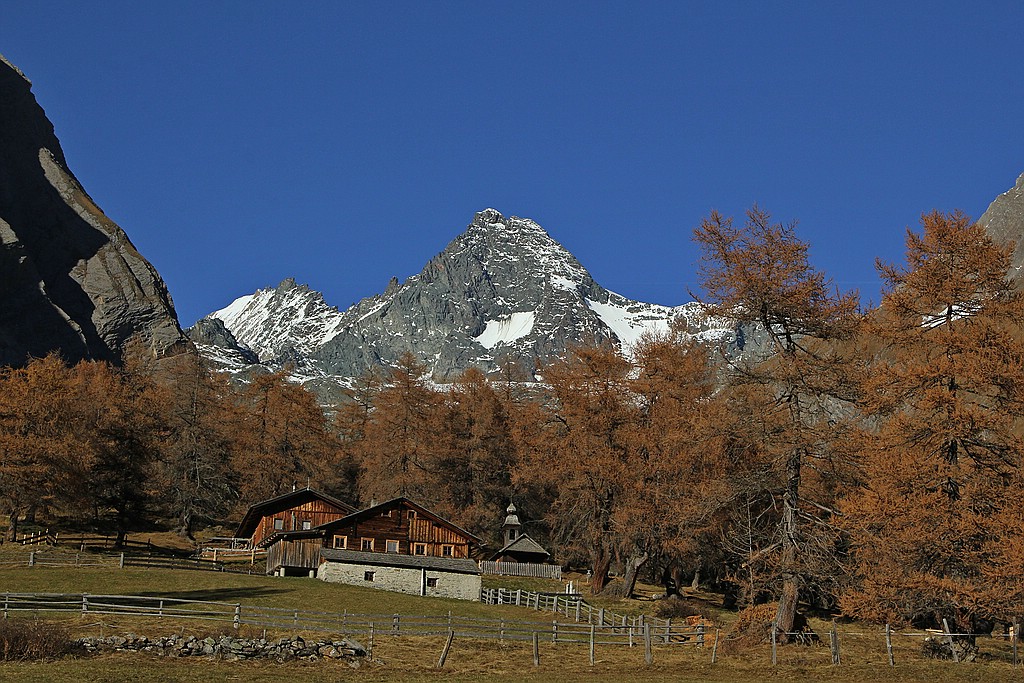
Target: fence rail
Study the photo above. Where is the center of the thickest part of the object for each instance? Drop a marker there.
(529, 569)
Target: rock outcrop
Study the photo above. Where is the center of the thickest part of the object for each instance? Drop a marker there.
(1004, 221)
(71, 280)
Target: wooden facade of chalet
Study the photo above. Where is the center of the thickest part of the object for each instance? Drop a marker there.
(298, 510)
(398, 527)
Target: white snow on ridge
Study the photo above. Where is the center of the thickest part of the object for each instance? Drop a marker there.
(506, 330)
(229, 314)
(627, 325)
(274, 319)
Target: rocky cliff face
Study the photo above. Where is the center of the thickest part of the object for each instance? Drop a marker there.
(1004, 220)
(70, 278)
(502, 289)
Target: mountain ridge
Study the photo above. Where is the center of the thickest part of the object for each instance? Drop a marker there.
(504, 288)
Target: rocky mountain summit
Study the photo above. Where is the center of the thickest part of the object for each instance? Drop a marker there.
(71, 279)
(504, 288)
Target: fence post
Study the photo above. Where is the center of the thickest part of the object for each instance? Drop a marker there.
(833, 638)
(85, 603)
(949, 640)
(888, 644)
(600, 616)
(714, 648)
(592, 627)
(1015, 636)
(775, 654)
(554, 631)
(121, 562)
(668, 627)
(700, 635)
(519, 596)
(7, 597)
(501, 630)
(369, 649)
(160, 612)
(536, 649)
(396, 623)
(444, 652)
(578, 601)
(648, 655)
(237, 620)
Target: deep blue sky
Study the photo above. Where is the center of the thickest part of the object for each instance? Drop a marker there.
(239, 143)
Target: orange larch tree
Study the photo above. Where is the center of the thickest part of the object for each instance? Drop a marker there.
(760, 274)
(934, 528)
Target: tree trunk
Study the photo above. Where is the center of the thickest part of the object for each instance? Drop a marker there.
(695, 584)
(672, 579)
(12, 525)
(185, 525)
(636, 560)
(790, 594)
(602, 563)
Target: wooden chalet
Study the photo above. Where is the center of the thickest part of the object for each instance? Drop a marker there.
(294, 511)
(393, 545)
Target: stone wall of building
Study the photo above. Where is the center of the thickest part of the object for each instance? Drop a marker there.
(413, 581)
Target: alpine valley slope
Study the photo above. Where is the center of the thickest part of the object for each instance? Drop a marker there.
(503, 289)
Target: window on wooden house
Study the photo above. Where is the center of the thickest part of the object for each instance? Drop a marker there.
(392, 546)
(419, 548)
(366, 544)
(278, 524)
(341, 542)
(431, 582)
(367, 576)
(411, 514)
(306, 525)
(447, 551)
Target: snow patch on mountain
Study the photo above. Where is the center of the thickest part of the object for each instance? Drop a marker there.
(506, 330)
(630, 323)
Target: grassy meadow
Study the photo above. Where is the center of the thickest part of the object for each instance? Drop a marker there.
(414, 658)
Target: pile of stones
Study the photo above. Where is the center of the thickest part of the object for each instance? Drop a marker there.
(229, 648)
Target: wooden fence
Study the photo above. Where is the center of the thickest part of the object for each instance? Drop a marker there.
(353, 624)
(539, 571)
(122, 560)
(574, 607)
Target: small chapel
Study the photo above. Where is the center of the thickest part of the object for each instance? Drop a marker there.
(518, 547)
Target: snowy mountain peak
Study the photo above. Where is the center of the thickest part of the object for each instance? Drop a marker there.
(504, 288)
(278, 322)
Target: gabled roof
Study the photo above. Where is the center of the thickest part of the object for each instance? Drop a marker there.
(524, 544)
(259, 510)
(401, 500)
(449, 564)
